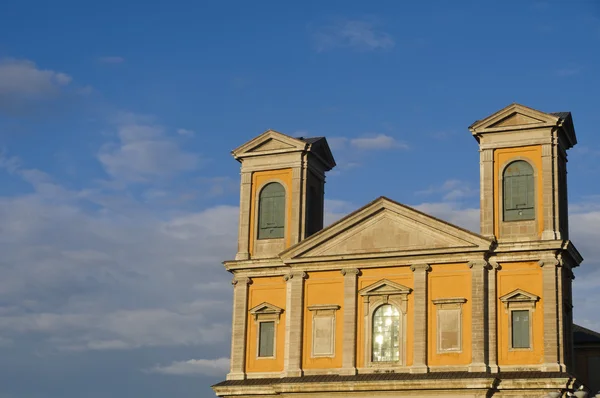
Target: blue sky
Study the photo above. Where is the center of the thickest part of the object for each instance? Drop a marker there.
(118, 194)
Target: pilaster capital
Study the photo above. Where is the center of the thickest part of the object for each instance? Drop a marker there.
(246, 177)
(420, 267)
(476, 264)
(350, 271)
(486, 155)
(298, 275)
(494, 265)
(242, 280)
(548, 261)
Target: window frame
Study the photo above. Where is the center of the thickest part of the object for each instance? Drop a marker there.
(449, 304)
(257, 209)
(519, 300)
(259, 324)
(374, 296)
(266, 312)
(502, 189)
(325, 311)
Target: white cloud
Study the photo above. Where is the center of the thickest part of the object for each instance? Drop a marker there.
(208, 367)
(144, 151)
(111, 59)
(379, 141)
(185, 132)
(114, 275)
(451, 190)
(354, 34)
(22, 81)
(367, 142)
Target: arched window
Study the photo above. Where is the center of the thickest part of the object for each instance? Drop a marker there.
(519, 192)
(271, 211)
(386, 334)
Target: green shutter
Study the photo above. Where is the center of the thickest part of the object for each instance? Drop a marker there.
(271, 212)
(519, 192)
(266, 340)
(520, 329)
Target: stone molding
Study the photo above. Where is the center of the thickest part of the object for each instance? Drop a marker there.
(350, 271)
(420, 267)
(297, 275)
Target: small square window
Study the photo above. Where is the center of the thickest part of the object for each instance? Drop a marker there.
(266, 339)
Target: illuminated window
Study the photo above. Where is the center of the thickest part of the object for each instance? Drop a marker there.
(386, 334)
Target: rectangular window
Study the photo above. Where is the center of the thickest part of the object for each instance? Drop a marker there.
(266, 339)
(520, 328)
(449, 329)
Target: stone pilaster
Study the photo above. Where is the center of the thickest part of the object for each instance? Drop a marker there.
(292, 359)
(243, 252)
(420, 318)
(479, 330)
(239, 326)
(548, 193)
(297, 199)
(493, 317)
(561, 325)
(486, 184)
(550, 303)
(349, 328)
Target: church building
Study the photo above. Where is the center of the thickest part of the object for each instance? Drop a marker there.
(392, 302)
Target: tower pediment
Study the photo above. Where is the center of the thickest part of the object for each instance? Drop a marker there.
(382, 228)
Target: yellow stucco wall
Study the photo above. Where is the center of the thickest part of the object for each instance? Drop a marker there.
(271, 290)
(449, 281)
(401, 275)
(528, 277)
(323, 288)
(259, 180)
(501, 157)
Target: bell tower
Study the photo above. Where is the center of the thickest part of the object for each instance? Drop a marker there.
(523, 166)
(281, 192)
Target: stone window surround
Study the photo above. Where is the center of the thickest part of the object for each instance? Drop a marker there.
(501, 171)
(501, 189)
(451, 303)
(257, 209)
(325, 311)
(519, 300)
(373, 298)
(266, 312)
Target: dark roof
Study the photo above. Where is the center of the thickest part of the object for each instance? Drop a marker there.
(391, 376)
(310, 140)
(562, 115)
(583, 335)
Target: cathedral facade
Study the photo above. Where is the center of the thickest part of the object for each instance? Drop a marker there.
(392, 302)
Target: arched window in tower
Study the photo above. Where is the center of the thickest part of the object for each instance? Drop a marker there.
(386, 334)
(519, 192)
(271, 211)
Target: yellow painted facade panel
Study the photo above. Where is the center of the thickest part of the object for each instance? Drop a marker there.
(271, 290)
(323, 288)
(528, 277)
(401, 275)
(449, 281)
(259, 180)
(502, 157)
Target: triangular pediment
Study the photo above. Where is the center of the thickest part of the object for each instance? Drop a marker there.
(513, 117)
(270, 141)
(265, 308)
(519, 295)
(384, 288)
(384, 228)
(271, 145)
